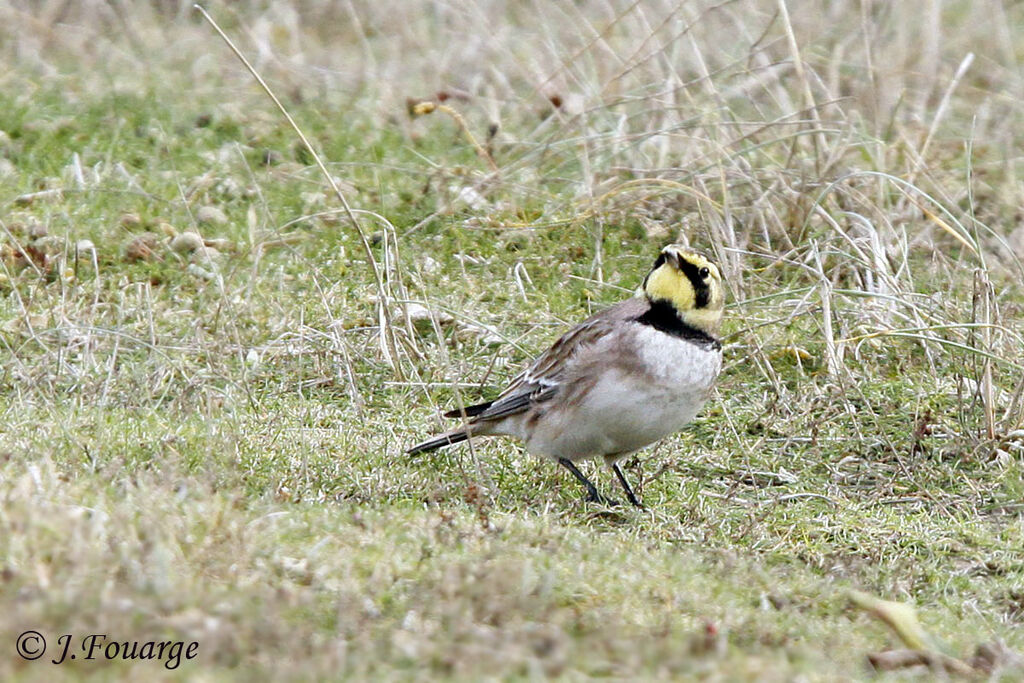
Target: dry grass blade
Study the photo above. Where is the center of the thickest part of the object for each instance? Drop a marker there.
(389, 346)
(428, 107)
(900, 617)
(893, 660)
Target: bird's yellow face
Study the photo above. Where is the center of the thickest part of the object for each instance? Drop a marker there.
(691, 283)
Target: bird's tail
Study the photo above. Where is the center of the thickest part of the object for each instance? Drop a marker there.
(469, 411)
(456, 435)
(446, 439)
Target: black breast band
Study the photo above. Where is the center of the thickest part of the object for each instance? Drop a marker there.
(662, 316)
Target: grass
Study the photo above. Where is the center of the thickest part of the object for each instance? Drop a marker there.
(207, 445)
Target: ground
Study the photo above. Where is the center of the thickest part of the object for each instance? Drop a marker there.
(210, 369)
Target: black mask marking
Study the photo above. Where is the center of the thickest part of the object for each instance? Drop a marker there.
(701, 289)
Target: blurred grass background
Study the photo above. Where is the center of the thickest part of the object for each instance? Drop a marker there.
(205, 390)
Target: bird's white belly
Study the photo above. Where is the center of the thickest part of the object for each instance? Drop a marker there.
(626, 411)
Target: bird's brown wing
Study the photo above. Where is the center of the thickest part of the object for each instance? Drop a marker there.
(542, 380)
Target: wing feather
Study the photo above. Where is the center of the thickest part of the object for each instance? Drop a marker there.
(542, 380)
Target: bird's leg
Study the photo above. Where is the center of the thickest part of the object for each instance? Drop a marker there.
(592, 495)
(625, 485)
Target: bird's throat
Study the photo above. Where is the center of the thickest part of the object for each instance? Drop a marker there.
(698, 325)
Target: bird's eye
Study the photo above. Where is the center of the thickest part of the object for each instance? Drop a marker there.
(704, 272)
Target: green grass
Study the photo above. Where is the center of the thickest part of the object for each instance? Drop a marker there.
(211, 450)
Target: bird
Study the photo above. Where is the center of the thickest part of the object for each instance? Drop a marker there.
(620, 380)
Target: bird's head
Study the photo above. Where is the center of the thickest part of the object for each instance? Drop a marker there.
(690, 283)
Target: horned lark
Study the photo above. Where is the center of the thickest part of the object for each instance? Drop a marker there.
(620, 380)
